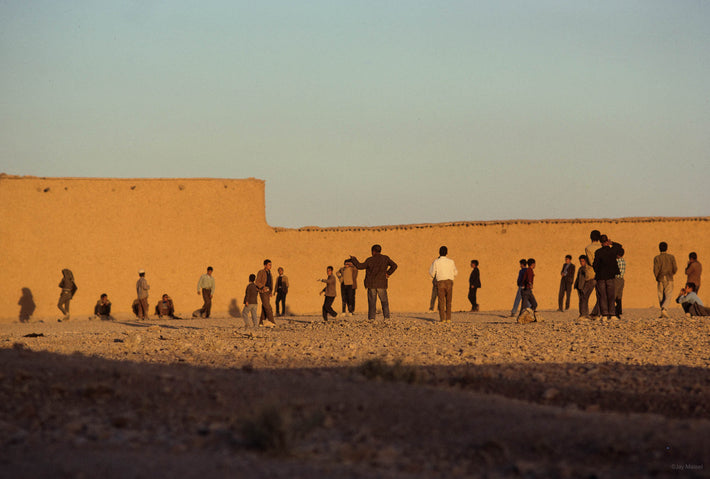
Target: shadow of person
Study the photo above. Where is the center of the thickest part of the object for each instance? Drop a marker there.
(27, 305)
(234, 310)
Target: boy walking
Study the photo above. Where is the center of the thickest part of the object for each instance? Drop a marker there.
(329, 291)
(519, 283)
(206, 287)
(664, 267)
(527, 292)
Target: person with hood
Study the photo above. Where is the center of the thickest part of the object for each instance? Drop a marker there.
(68, 290)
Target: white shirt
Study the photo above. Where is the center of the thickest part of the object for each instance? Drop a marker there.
(443, 269)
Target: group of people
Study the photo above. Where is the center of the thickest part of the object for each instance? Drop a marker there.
(260, 287)
(378, 268)
(601, 270)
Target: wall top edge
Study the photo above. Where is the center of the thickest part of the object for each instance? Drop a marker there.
(648, 219)
(5, 176)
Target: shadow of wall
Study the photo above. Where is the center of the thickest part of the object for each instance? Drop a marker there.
(170, 405)
(105, 230)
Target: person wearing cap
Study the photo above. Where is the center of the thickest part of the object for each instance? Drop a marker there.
(142, 288)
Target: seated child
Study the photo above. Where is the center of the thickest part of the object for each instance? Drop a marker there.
(103, 308)
(165, 307)
(690, 302)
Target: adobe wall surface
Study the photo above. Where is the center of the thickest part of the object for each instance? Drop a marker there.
(104, 230)
(498, 246)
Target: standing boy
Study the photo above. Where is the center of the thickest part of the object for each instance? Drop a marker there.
(605, 271)
(251, 299)
(265, 284)
(444, 270)
(519, 283)
(693, 270)
(68, 290)
(619, 280)
(474, 282)
(329, 290)
(590, 252)
(348, 283)
(584, 285)
(378, 268)
(281, 292)
(566, 282)
(142, 288)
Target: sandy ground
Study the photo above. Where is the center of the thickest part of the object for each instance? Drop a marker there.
(478, 397)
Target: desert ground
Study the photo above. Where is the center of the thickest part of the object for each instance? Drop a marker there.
(409, 397)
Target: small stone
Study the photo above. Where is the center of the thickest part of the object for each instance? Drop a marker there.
(550, 394)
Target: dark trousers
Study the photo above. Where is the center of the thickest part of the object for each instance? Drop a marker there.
(619, 292)
(328, 307)
(696, 310)
(606, 296)
(472, 298)
(281, 300)
(584, 295)
(565, 289)
(348, 296)
(343, 299)
(266, 311)
(445, 289)
(206, 303)
(372, 295)
(529, 300)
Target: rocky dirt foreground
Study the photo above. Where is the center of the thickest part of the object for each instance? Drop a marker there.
(478, 397)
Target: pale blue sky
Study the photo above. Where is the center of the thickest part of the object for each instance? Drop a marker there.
(371, 112)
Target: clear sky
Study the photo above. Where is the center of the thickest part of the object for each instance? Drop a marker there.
(371, 112)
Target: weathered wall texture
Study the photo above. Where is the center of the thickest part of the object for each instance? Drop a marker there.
(104, 230)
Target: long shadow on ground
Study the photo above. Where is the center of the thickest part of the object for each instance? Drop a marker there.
(84, 416)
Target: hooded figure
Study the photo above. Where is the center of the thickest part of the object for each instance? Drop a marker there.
(68, 289)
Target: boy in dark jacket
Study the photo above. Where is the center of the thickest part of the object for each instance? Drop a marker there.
(103, 308)
(251, 300)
